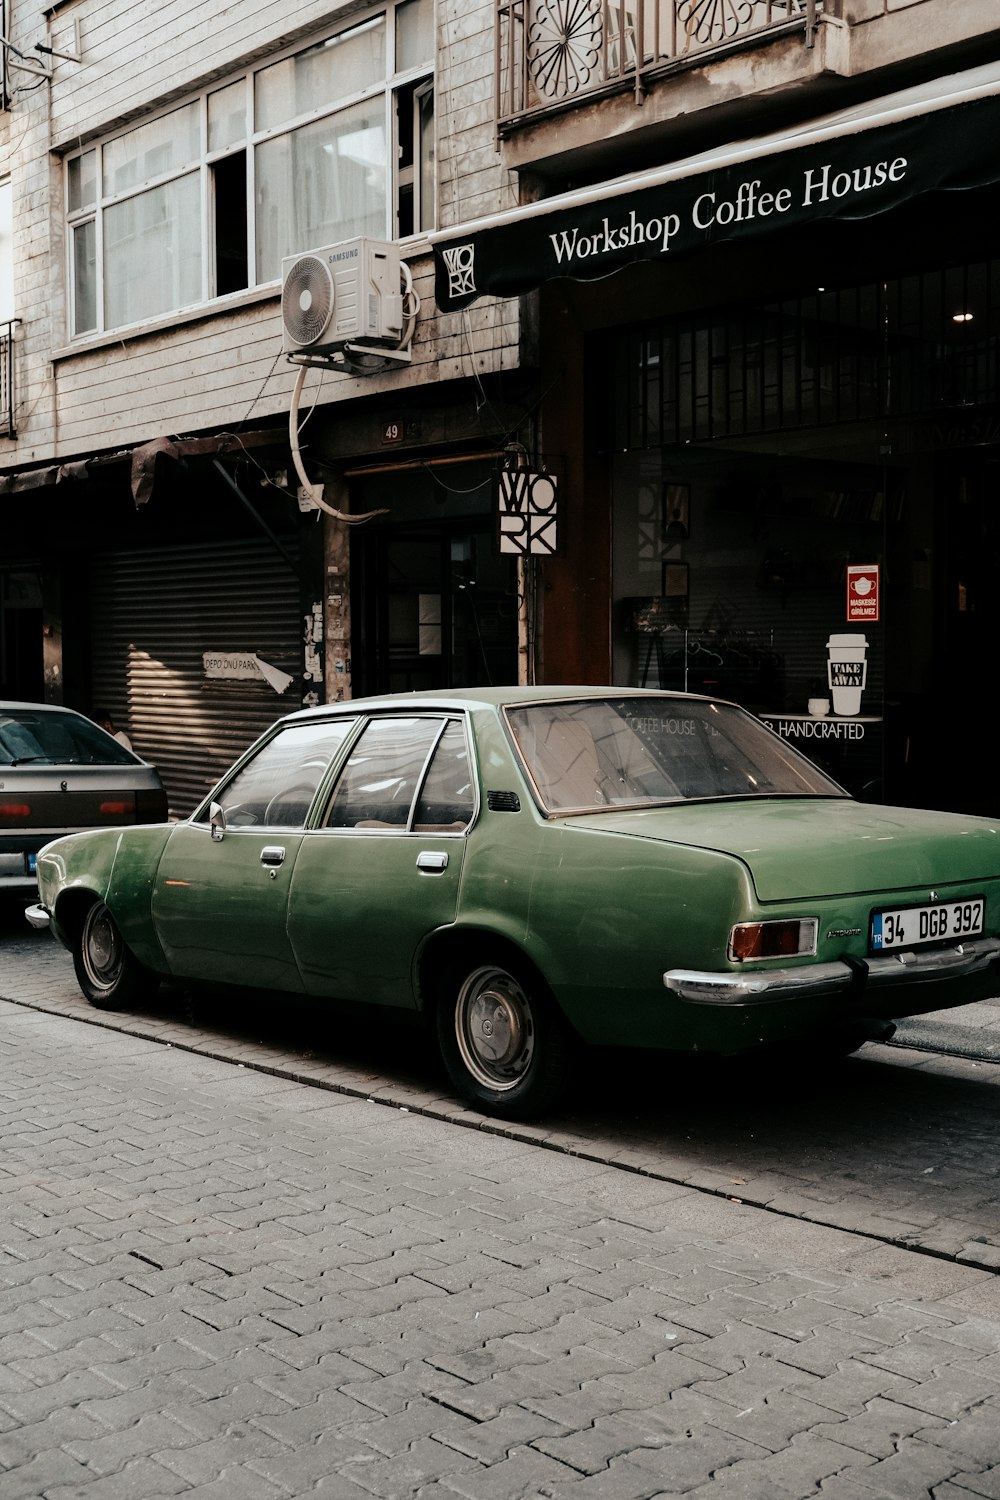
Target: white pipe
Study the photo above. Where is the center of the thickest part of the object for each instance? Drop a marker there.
(314, 492)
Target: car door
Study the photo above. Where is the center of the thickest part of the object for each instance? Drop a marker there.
(220, 904)
(385, 869)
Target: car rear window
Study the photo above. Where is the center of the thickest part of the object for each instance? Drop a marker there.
(53, 738)
(631, 752)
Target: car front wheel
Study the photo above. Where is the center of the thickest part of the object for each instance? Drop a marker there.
(107, 971)
(505, 1046)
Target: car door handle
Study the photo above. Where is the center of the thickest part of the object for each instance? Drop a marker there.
(432, 860)
(272, 854)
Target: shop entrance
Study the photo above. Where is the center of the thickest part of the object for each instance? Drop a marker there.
(437, 608)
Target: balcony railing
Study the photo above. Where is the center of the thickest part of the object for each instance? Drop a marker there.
(550, 53)
(4, 90)
(7, 428)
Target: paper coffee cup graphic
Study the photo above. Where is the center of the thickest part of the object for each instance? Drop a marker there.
(847, 670)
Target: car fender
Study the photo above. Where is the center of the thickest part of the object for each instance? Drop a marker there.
(117, 866)
(624, 909)
(73, 870)
(130, 890)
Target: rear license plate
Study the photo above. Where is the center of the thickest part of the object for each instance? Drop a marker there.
(912, 926)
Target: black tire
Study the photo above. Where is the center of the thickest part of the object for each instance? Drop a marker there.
(504, 1044)
(107, 971)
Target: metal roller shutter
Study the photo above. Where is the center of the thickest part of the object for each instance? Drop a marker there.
(153, 616)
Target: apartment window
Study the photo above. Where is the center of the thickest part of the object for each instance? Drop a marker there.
(329, 141)
(6, 252)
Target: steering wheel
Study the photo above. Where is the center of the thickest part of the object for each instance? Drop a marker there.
(296, 799)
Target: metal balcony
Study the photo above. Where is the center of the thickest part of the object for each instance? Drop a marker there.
(7, 428)
(4, 88)
(553, 53)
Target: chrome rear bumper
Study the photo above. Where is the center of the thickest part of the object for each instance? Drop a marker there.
(38, 916)
(761, 986)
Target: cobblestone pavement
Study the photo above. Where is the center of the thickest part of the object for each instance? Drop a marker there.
(898, 1145)
(246, 1267)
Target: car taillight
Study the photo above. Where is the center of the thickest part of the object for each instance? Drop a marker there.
(784, 939)
(115, 809)
(15, 810)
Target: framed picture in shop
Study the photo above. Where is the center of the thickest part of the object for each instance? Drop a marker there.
(675, 592)
(676, 514)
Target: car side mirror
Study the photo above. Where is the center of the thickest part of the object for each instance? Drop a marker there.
(217, 821)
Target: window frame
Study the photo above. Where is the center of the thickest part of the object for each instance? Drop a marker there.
(7, 302)
(388, 88)
(443, 720)
(325, 744)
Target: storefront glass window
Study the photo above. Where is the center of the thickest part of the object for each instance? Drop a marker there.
(776, 470)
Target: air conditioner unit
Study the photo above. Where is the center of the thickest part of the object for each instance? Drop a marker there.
(340, 295)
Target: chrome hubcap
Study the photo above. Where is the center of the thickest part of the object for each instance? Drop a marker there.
(494, 1028)
(102, 953)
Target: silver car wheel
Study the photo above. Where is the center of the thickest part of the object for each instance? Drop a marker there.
(102, 952)
(495, 1029)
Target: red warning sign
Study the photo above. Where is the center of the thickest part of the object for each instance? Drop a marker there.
(862, 591)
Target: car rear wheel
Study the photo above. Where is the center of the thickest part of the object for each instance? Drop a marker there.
(107, 971)
(506, 1047)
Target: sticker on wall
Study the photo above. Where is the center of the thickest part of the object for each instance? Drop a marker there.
(244, 666)
(862, 592)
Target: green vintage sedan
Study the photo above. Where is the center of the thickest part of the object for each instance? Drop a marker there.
(535, 870)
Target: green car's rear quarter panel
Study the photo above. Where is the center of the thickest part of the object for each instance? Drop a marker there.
(614, 899)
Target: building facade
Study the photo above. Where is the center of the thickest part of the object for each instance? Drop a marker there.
(717, 282)
(159, 560)
(758, 243)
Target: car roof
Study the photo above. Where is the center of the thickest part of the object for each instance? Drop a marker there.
(489, 697)
(7, 704)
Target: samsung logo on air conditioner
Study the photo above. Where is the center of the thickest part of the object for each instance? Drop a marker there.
(344, 255)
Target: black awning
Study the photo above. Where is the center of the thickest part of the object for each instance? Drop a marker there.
(850, 165)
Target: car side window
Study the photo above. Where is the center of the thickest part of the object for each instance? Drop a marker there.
(380, 780)
(276, 788)
(447, 800)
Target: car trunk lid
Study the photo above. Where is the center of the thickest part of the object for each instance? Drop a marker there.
(812, 847)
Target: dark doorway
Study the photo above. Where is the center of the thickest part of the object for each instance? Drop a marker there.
(437, 608)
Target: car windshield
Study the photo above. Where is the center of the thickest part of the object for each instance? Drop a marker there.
(50, 738)
(639, 751)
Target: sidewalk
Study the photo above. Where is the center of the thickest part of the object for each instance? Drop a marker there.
(220, 1282)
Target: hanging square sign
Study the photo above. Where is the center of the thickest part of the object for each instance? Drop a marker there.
(527, 512)
(862, 592)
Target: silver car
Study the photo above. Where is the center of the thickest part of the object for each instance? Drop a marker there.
(60, 773)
